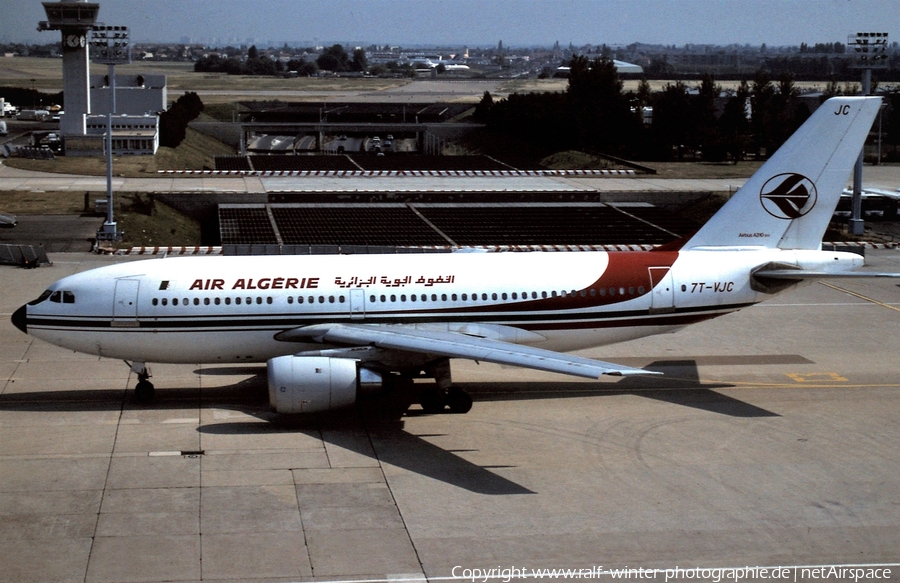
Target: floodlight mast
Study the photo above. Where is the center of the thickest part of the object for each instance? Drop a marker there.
(870, 49)
(111, 46)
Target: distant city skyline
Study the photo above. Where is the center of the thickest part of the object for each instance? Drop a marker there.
(477, 23)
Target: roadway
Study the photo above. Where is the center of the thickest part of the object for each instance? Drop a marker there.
(772, 441)
(13, 179)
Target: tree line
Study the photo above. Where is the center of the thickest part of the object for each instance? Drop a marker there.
(594, 114)
(334, 58)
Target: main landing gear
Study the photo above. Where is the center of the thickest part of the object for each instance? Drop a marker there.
(143, 390)
(443, 394)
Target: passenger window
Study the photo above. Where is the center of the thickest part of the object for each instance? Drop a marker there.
(371, 299)
(269, 299)
(258, 299)
(290, 299)
(227, 301)
(165, 301)
(174, 301)
(155, 302)
(196, 301)
(205, 301)
(237, 301)
(218, 301)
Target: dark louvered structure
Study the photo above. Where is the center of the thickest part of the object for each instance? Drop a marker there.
(442, 224)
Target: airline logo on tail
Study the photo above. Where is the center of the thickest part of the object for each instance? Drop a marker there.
(788, 196)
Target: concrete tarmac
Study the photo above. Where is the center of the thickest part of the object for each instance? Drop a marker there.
(773, 440)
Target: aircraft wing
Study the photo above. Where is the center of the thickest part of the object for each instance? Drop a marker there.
(458, 345)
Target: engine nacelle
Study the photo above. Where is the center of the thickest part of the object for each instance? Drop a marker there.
(309, 384)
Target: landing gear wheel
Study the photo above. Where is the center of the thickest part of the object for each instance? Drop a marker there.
(433, 400)
(143, 391)
(459, 400)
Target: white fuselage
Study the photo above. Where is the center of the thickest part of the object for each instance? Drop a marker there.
(229, 309)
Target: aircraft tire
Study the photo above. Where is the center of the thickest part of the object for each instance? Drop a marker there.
(143, 391)
(459, 400)
(433, 401)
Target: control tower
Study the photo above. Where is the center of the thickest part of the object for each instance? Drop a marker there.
(73, 18)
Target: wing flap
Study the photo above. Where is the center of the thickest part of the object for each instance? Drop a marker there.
(456, 345)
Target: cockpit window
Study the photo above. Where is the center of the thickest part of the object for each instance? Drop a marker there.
(59, 297)
(41, 298)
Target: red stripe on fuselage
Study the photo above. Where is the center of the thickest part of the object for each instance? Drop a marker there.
(626, 273)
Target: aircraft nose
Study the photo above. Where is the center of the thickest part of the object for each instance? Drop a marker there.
(20, 319)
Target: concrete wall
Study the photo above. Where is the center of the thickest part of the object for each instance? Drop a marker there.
(135, 94)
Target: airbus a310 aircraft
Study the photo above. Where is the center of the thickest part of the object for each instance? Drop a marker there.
(331, 327)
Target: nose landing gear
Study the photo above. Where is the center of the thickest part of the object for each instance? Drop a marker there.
(143, 390)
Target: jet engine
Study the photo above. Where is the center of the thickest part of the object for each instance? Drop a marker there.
(309, 384)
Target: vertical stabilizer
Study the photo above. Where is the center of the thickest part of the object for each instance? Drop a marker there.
(788, 202)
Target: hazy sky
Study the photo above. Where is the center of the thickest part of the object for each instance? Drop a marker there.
(480, 22)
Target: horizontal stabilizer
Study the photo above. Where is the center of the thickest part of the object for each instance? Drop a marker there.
(798, 274)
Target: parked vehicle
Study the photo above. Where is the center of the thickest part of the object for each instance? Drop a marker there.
(34, 114)
(8, 221)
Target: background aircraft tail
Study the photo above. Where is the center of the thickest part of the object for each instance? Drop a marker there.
(789, 201)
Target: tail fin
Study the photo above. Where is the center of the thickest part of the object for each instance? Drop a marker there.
(788, 202)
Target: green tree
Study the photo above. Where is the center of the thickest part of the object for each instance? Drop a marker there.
(671, 128)
(483, 109)
(173, 122)
(360, 62)
(761, 122)
(734, 125)
(334, 58)
(598, 110)
(705, 135)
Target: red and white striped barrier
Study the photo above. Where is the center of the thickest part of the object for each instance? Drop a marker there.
(397, 173)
